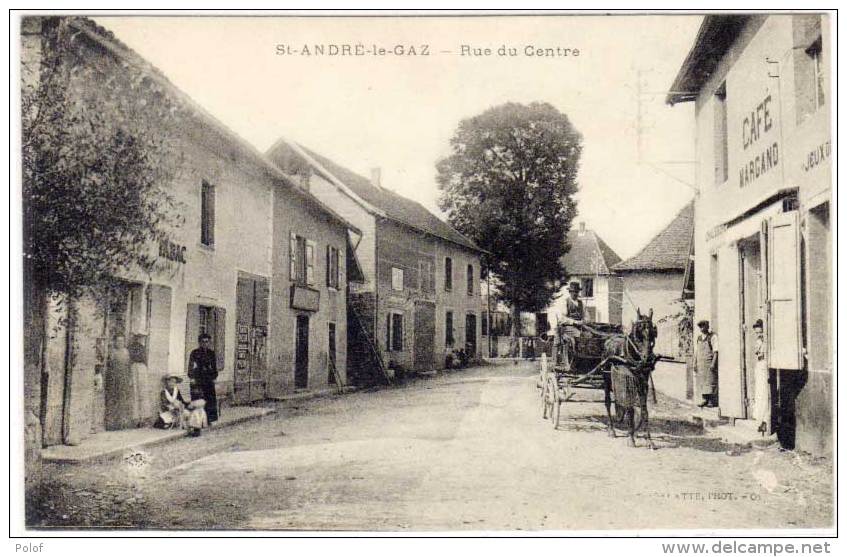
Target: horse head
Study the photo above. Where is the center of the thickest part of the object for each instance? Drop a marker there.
(643, 334)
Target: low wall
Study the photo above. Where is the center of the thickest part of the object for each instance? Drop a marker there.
(670, 379)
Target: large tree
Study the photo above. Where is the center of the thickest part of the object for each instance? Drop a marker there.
(508, 185)
(96, 164)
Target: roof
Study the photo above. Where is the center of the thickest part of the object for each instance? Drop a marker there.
(715, 37)
(588, 254)
(375, 199)
(106, 39)
(669, 250)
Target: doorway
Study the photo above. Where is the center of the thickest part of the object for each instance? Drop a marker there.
(424, 336)
(332, 378)
(301, 353)
(470, 335)
(752, 309)
(251, 329)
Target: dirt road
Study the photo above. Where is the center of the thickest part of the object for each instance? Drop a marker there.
(462, 451)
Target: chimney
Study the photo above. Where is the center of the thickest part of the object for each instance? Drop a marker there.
(582, 228)
(376, 177)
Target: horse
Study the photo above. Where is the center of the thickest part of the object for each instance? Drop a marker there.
(630, 362)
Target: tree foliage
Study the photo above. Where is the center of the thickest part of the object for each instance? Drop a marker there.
(508, 185)
(96, 163)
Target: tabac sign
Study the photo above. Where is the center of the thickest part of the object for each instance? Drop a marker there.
(760, 146)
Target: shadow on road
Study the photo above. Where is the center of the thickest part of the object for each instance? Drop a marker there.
(670, 433)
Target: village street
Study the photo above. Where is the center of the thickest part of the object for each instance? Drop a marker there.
(465, 450)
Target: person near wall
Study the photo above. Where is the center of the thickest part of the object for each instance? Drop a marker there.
(706, 364)
(172, 407)
(119, 387)
(762, 389)
(203, 371)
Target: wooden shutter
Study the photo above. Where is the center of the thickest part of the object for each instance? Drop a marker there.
(730, 389)
(244, 301)
(310, 262)
(220, 337)
(328, 265)
(192, 330)
(261, 301)
(784, 337)
(388, 332)
(292, 257)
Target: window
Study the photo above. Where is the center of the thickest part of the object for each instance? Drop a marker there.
(809, 79)
(485, 323)
(396, 279)
(394, 332)
(814, 52)
(310, 262)
(470, 280)
(207, 214)
(448, 274)
(301, 260)
(448, 328)
(587, 287)
(427, 280)
(721, 141)
(332, 273)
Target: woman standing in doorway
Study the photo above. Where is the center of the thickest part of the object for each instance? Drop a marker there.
(762, 391)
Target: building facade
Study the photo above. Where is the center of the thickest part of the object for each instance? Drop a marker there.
(653, 279)
(589, 263)
(419, 297)
(234, 267)
(761, 88)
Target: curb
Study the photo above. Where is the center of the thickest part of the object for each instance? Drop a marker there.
(169, 436)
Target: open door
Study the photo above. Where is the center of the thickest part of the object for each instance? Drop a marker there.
(785, 349)
(730, 347)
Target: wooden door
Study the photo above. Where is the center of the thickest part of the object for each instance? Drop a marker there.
(424, 336)
(301, 353)
(250, 378)
(730, 348)
(470, 335)
(333, 367)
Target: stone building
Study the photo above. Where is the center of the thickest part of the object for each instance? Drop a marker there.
(653, 279)
(257, 262)
(420, 296)
(763, 248)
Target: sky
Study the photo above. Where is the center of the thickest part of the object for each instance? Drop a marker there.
(399, 112)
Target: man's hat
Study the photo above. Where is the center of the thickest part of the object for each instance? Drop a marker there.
(172, 376)
(703, 323)
(758, 324)
(574, 286)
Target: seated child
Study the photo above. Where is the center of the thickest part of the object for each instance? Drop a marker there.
(197, 418)
(172, 407)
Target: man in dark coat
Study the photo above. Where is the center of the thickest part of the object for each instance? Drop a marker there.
(203, 370)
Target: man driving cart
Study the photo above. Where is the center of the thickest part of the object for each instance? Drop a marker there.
(570, 326)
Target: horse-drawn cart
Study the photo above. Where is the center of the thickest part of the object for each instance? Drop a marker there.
(601, 356)
(578, 364)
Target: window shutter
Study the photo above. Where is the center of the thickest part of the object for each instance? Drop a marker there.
(192, 330)
(244, 301)
(262, 295)
(292, 256)
(220, 338)
(785, 348)
(211, 217)
(388, 332)
(310, 262)
(329, 266)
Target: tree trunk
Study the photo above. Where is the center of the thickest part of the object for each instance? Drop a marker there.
(35, 345)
